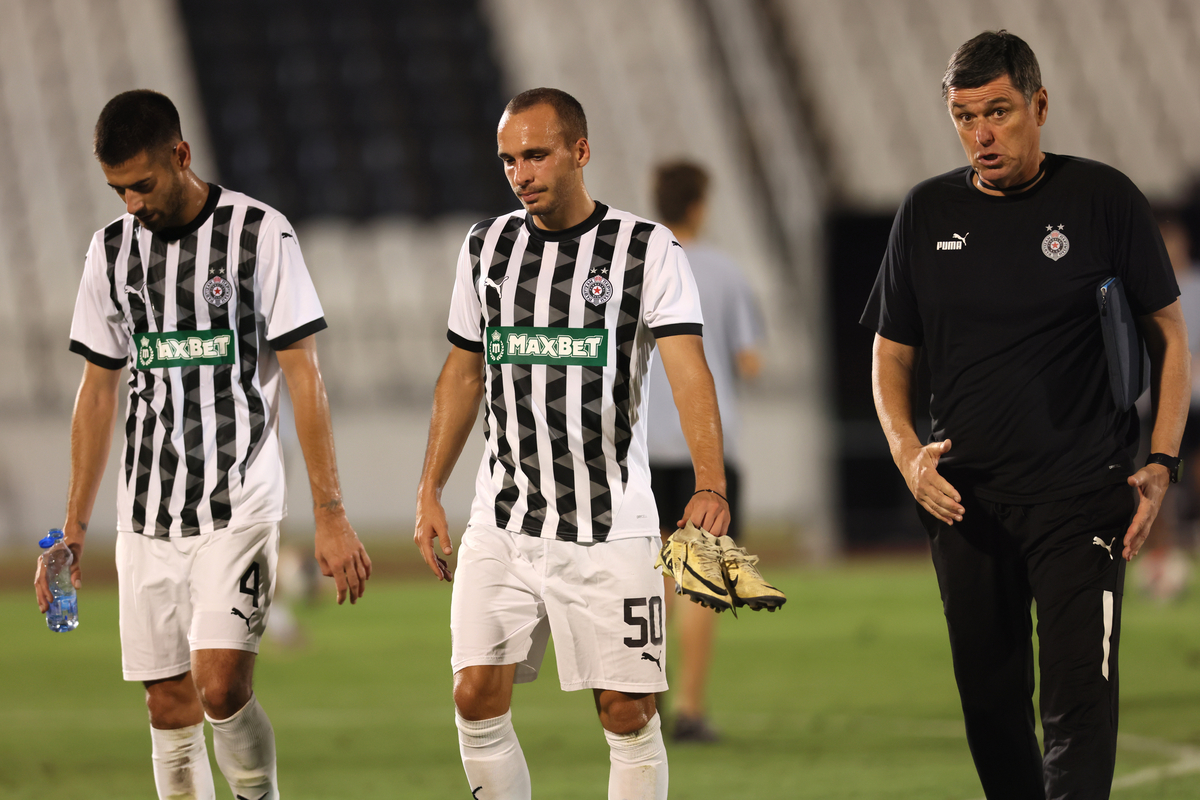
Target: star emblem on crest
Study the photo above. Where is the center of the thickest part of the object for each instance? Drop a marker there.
(145, 341)
(495, 336)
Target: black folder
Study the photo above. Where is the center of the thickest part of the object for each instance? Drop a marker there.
(1128, 361)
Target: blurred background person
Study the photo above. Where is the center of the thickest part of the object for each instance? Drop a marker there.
(733, 330)
(1166, 571)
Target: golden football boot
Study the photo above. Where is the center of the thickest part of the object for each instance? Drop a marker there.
(746, 584)
(692, 558)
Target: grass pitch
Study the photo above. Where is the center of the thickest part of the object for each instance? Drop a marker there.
(845, 693)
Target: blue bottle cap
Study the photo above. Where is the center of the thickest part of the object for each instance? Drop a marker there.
(50, 538)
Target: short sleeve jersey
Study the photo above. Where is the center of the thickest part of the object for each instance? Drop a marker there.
(732, 324)
(567, 323)
(197, 313)
(1000, 292)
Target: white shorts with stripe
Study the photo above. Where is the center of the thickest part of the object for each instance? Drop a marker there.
(602, 602)
(206, 592)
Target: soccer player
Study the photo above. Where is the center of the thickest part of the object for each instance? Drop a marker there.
(732, 331)
(1028, 488)
(554, 319)
(204, 294)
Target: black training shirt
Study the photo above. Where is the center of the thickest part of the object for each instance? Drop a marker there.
(1001, 294)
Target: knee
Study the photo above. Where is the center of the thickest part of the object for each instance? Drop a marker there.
(173, 703)
(481, 693)
(624, 713)
(223, 695)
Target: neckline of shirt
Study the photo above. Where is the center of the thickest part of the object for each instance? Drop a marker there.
(573, 232)
(210, 205)
(1051, 164)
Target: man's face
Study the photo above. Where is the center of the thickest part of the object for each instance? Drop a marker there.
(542, 168)
(152, 187)
(1000, 132)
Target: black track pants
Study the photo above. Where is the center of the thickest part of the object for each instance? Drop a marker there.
(990, 567)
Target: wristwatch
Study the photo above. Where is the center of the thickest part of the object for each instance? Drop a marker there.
(1173, 463)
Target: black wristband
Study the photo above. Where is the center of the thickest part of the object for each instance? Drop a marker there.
(714, 491)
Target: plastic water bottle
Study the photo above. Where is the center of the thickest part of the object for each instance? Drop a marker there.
(63, 614)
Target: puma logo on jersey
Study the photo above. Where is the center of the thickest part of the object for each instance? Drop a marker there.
(497, 286)
(1096, 540)
(957, 242)
(648, 657)
(286, 235)
(237, 613)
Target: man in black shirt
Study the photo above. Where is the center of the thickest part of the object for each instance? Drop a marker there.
(1027, 488)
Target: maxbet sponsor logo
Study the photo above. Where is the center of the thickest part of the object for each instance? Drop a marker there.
(184, 348)
(957, 242)
(583, 347)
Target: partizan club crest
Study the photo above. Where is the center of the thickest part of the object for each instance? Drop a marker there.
(217, 291)
(1055, 245)
(597, 290)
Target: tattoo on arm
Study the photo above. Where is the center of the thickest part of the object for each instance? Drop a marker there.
(83, 525)
(332, 505)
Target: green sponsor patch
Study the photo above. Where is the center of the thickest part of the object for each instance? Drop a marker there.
(582, 347)
(184, 348)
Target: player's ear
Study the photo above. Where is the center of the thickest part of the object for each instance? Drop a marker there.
(181, 156)
(583, 152)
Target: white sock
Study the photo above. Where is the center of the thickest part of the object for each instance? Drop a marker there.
(639, 763)
(492, 758)
(181, 769)
(244, 746)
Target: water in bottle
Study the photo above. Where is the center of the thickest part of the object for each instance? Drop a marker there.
(63, 614)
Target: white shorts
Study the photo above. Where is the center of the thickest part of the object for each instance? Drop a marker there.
(602, 601)
(207, 592)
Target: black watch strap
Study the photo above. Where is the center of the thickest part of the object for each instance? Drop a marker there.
(1172, 463)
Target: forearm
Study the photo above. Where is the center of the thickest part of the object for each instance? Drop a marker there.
(456, 401)
(91, 439)
(700, 420)
(1171, 395)
(696, 399)
(891, 384)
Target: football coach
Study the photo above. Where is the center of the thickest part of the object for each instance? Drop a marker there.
(1027, 488)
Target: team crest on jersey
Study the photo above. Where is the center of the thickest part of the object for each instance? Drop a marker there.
(217, 291)
(1056, 244)
(597, 290)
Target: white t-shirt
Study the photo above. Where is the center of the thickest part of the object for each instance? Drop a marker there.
(567, 322)
(197, 313)
(732, 324)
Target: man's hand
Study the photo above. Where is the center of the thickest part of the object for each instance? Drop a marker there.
(73, 536)
(340, 553)
(1151, 481)
(931, 490)
(707, 511)
(431, 524)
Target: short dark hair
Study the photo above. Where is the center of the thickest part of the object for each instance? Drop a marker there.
(678, 185)
(569, 111)
(133, 122)
(989, 56)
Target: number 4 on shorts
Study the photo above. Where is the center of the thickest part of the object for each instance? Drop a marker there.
(249, 583)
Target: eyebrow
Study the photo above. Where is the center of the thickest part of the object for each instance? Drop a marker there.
(130, 186)
(991, 102)
(532, 151)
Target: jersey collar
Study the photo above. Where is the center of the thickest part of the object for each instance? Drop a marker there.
(573, 232)
(1049, 166)
(210, 205)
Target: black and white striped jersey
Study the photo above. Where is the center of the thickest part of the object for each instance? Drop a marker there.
(197, 313)
(567, 322)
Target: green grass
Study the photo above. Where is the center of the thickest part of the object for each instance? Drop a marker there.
(846, 693)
